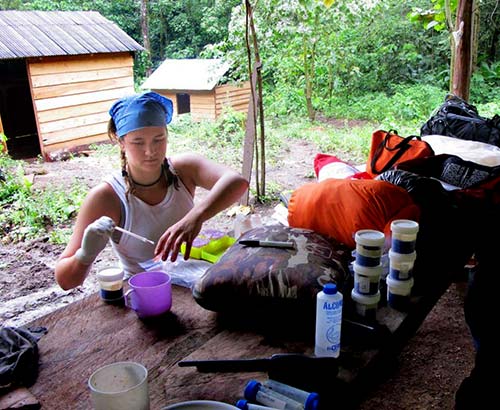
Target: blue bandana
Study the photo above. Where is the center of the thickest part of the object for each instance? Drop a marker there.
(139, 111)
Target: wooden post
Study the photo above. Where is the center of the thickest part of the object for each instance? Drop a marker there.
(250, 133)
(463, 45)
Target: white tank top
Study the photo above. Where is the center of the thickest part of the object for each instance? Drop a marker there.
(149, 221)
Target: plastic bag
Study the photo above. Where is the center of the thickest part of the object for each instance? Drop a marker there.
(183, 273)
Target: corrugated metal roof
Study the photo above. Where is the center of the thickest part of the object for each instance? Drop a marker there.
(58, 33)
(187, 74)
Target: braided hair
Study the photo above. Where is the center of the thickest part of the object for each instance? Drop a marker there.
(167, 171)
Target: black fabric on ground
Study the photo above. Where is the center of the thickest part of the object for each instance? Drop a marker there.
(19, 356)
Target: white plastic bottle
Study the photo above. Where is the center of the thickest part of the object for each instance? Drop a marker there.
(329, 304)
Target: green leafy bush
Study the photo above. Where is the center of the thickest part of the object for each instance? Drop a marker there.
(27, 213)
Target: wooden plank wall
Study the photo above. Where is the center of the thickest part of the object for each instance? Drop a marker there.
(236, 97)
(209, 105)
(171, 95)
(72, 96)
(202, 105)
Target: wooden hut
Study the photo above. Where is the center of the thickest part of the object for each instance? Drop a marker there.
(59, 74)
(194, 86)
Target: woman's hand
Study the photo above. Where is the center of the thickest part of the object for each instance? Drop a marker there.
(186, 230)
(95, 238)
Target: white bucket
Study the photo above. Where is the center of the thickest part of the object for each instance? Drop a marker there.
(366, 305)
(401, 265)
(367, 279)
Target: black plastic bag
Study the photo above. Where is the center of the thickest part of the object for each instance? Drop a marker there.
(19, 356)
(425, 191)
(443, 240)
(458, 119)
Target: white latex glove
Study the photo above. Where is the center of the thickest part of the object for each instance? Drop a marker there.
(94, 240)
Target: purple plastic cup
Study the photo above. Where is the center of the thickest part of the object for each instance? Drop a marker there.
(150, 293)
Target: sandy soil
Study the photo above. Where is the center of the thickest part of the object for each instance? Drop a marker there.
(428, 371)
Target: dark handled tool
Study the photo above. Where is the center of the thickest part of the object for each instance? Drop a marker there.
(275, 363)
(267, 244)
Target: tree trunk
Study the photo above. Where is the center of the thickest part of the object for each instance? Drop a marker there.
(463, 50)
(308, 77)
(145, 33)
(258, 66)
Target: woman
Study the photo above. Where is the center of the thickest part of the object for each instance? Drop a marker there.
(152, 196)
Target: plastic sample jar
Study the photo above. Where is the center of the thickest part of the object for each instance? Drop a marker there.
(403, 235)
(369, 246)
(398, 293)
(309, 400)
(111, 284)
(367, 279)
(401, 265)
(366, 305)
(256, 392)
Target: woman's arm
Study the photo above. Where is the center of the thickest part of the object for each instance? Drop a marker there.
(225, 187)
(72, 269)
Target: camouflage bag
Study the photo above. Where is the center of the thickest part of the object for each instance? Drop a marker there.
(265, 277)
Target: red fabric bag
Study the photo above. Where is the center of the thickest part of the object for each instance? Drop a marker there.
(388, 149)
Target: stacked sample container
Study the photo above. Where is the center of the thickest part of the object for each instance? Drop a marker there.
(367, 271)
(402, 256)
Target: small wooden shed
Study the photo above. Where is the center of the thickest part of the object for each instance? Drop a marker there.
(59, 74)
(194, 86)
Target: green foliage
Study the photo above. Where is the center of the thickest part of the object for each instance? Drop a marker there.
(10, 4)
(15, 182)
(32, 214)
(206, 137)
(434, 18)
(337, 48)
(3, 141)
(273, 191)
(485, 83)
(28, 213)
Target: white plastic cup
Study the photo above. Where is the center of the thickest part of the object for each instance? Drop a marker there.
(369, 247)
(404, 235)
(366, 305)
(401, 265)
(120, 386)
(398, 293)
(111, 284)
(367, 279)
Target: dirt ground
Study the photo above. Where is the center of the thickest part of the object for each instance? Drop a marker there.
(428, 370)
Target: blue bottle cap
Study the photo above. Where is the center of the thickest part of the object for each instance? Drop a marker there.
(330, 288)
(312, 402)
(251, 390)
(242, 404)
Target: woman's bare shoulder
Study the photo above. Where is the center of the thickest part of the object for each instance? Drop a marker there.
(102, 200)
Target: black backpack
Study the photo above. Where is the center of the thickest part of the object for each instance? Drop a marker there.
(459, 119)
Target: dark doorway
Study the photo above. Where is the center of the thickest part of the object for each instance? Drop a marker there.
(183, 103)
(16, 110)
